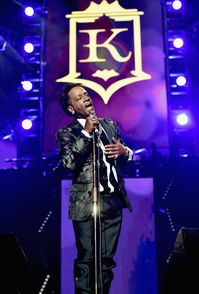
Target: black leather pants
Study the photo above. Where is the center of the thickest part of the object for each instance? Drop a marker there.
(84, 264)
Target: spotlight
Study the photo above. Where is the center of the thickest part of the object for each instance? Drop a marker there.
(29, 47)
(181, 81)
(26, 124)
(182, 119)
(27, 85)
(178, 43)
(177, 4)
(29, 11)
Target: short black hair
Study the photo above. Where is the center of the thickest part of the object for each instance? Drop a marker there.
(64, 98)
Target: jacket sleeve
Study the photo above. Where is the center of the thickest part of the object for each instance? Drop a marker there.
(73, 150)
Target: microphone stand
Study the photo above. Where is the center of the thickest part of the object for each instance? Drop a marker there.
(96, 210)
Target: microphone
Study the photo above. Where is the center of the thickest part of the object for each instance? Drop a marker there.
(93, 114)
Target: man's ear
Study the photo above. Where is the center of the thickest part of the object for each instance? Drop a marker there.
(71, 109)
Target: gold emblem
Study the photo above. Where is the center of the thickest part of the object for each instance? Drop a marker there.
(115, 12)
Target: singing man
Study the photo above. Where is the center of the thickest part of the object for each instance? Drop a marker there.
(76, 149)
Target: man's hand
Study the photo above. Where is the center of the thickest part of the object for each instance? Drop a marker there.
(115, 150)
(91, 123)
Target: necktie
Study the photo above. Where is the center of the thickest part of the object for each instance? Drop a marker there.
(106, 165)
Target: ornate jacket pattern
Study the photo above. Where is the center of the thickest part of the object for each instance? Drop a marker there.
(76, 154)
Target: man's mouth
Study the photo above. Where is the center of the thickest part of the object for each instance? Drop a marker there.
(89, 105)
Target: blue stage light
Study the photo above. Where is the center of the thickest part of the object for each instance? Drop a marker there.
(178, 43)
(29, 47)
(29, 11)
(181, 81)
(182, 119)
(177, 4)
(26, 124)
(27, 85)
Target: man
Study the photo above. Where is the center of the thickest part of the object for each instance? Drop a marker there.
(76, 148)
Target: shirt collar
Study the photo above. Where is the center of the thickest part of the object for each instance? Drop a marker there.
(82, 121)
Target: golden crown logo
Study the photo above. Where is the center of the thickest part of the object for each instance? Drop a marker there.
(115, 12)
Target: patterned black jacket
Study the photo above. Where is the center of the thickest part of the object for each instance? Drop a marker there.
(76, 153)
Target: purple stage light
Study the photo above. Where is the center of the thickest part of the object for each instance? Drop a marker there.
(181, 81)
(182, 119)
(29, 47)
(26, 124)
(29, 11)
(177, 4)
(178, 43)
(27, 85)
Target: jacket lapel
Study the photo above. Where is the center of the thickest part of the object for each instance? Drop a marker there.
(108, 131)
(76, 128)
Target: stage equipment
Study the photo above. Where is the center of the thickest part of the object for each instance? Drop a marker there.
(16, 276)
(96, 213)
(182, 274)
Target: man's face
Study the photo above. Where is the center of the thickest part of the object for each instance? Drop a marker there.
(81, 103)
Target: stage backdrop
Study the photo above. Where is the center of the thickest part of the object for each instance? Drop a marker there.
(115, 48)
(136, 255)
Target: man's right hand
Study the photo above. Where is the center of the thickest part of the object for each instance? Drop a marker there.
(92, 122)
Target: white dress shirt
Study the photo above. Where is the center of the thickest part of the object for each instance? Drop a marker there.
(82, 121)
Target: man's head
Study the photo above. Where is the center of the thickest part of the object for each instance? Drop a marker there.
(76, 101)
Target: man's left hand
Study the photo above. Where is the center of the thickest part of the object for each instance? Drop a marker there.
(115, 150)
